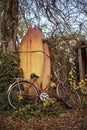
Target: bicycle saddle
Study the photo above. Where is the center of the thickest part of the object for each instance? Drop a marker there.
(34, 76)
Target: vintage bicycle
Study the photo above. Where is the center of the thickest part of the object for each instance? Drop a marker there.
(24, 91)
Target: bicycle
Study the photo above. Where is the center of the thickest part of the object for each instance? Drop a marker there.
(24, 92)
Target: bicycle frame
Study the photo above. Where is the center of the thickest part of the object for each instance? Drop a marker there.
(34, 80)
(43, 93)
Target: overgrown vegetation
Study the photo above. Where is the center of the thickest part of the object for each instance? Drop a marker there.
(80, 86)
(72, 77)
(9, 69)
(42, 109)
(39, 110)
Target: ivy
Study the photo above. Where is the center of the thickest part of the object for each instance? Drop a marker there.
(9, 69)
(81, 86)
(72, 75)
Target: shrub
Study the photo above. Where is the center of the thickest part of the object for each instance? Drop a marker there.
(82, 87)
(9, 69)
(72, 77)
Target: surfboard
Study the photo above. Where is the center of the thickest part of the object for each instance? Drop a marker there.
(24, 54)
(31, 54)
(47, 67)
(47, 64)
(37, 57)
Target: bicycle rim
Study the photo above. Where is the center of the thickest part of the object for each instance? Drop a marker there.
(21, 94)
(70, 97)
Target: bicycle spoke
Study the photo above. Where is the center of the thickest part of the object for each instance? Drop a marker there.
(22, 93)
(69, 97)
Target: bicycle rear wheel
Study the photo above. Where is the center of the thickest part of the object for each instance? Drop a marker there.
(69, 96)
(22, 93)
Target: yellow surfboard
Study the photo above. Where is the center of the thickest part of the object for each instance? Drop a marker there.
(47, 64)
(24, 54)
(47, 67)
(31, 54)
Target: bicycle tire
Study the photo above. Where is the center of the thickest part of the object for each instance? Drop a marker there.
(68, 96)
(16, 98)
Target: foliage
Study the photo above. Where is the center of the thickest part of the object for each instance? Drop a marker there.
(72, 78)
(39, 110)
(9, 69)
(80, 86)
(4, 105)
(49, 107)
(48, 102)
(62, 52)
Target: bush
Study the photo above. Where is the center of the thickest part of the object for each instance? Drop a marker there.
(82, 87)
(9, 69)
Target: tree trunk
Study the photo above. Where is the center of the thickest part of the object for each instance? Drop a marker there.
(9, 25)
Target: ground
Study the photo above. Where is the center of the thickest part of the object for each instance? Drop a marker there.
(71, 119)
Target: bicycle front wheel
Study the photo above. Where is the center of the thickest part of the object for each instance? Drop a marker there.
(69, 96)
(22, 93)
